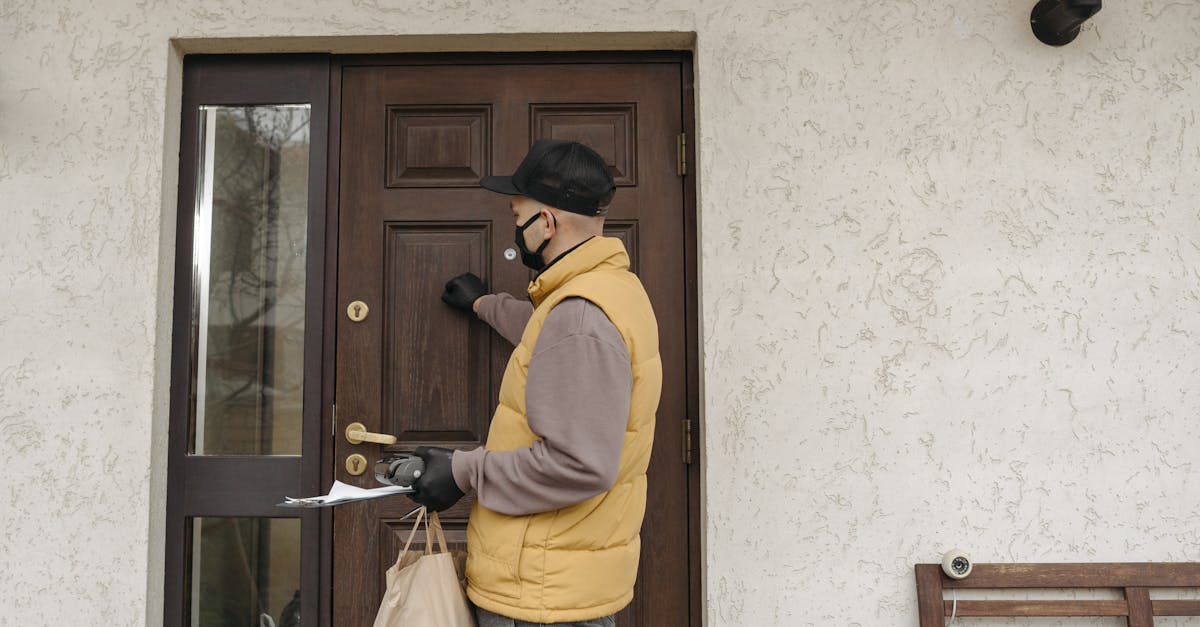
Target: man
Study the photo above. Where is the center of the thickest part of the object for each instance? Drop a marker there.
(560, 486)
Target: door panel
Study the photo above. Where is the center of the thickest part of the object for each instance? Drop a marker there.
(415, 141)
(433, 400)
(446, 146)
(610, 130)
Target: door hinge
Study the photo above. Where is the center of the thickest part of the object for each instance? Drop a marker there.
(681, 145)
(333, 431)
(687, 441)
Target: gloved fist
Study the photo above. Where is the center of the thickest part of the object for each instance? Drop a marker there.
(436, 488)
(463, 290)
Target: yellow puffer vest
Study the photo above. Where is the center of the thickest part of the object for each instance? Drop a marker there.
(579, 562)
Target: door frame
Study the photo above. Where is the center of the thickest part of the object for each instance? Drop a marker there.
(691, 272)
(213, 485)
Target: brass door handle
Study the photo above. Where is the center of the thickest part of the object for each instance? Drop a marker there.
(356, 433)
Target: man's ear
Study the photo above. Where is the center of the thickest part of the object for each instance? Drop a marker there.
(551, 222)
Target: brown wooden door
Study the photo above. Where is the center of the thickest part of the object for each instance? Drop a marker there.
(415, 139)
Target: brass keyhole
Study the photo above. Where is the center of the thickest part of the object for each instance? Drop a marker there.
(356, 464)
(357, 311)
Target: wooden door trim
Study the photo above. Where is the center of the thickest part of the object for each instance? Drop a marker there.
(515, 58)
(329, 331)
(684, 59)
(691, 242)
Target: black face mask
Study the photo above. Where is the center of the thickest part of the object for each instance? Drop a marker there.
(532, 258)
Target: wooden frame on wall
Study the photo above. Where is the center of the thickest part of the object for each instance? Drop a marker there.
(1133, 580)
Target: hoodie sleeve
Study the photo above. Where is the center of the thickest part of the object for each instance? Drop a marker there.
(506, 314)
(577, 402)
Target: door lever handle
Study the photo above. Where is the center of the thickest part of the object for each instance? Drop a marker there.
(356, 433)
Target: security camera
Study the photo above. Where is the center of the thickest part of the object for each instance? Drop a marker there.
(1057, 22)
(956, 564)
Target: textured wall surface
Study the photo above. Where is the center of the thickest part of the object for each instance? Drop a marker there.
(950, 287)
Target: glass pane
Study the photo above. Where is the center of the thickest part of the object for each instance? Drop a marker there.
(245, 572)
(251, 222)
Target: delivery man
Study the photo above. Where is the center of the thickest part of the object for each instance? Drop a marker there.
(560, 485)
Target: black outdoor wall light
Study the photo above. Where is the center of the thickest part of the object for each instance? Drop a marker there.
(1057, 22)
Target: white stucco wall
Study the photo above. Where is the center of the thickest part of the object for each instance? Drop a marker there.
(950, 286)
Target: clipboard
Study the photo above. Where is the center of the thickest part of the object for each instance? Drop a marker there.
(341, 494)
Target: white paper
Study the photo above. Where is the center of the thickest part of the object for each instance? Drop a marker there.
(345, 493)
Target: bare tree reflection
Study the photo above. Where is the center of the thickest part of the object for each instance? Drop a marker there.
(251, 401)
(256, 290)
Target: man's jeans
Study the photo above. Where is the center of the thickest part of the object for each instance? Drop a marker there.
(488, 619)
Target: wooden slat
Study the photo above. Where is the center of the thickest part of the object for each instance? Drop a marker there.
(1100, 575)
(1134, 579)
(1051, 608)
(1141, 614)
(1038, 608)
(929, 595)
(1176, 608)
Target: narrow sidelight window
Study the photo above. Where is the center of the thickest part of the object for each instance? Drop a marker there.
(246, 348)
(251, 218)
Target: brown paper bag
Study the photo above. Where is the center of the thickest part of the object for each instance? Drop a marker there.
(424, 590)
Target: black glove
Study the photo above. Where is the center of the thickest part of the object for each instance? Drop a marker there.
(436, 488)
(463, 290)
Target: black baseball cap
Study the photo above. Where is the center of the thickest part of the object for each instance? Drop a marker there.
(562, 174)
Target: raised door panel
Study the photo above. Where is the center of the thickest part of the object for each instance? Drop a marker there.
(610, 129)
(445, 146)
(627, 232)
(437, 362)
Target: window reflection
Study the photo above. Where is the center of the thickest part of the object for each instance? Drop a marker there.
(244, 572)
(251, 224)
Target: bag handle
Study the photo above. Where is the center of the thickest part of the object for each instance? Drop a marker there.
(433, 529)
(433, 532)
(412, 534)
(428, 547)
